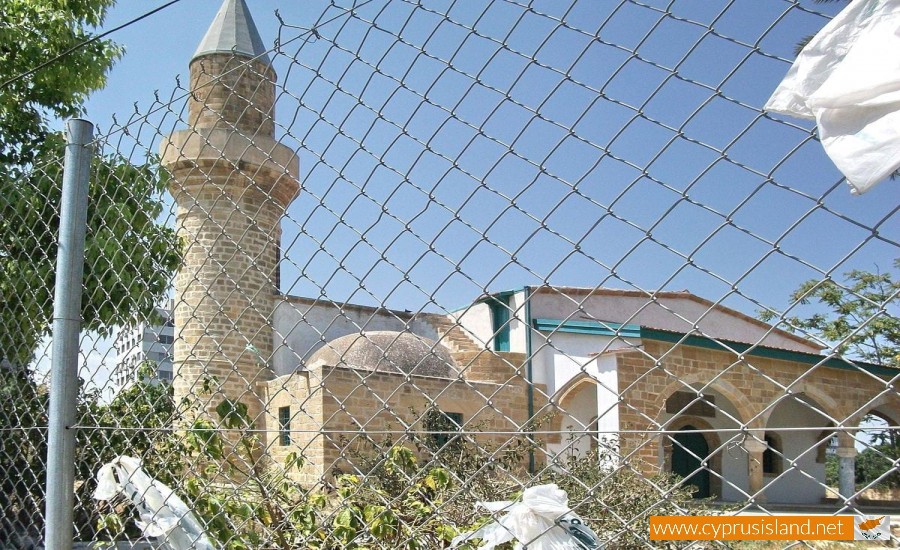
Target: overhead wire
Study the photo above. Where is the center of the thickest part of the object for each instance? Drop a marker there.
(85, 43)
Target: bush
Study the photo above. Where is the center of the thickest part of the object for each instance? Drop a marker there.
(616, 499)
(415, 495)
(871, 465)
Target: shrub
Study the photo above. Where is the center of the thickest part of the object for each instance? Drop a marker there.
(413, 496)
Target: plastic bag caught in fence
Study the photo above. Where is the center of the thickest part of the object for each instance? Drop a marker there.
(542, 521)
(848, 79)
(162, 512)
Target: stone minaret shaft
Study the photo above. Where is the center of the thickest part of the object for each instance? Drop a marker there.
(232, 183)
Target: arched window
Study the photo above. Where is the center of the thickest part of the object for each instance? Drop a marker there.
(772, 456)
(825, 441)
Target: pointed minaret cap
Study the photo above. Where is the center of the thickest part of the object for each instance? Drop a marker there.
(233, 31)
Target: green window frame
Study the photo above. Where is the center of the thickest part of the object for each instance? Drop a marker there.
(284, 426)
(500, 322)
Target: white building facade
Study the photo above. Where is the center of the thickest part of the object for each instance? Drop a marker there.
(612, 364)
(148, 341)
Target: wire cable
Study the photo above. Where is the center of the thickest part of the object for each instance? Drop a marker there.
(85, 43)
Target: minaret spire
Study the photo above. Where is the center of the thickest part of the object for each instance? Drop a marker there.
(232, 182)
(232, 78)
(233, 31)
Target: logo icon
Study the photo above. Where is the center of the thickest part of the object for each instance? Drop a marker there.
(872, 528)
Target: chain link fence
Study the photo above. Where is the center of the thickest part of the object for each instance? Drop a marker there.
(420, 255)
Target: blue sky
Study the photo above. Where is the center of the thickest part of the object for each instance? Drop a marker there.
(568, 144)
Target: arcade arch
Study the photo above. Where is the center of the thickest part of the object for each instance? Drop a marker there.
(702, 438)
(797, 427)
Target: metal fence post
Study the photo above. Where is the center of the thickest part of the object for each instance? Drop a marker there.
(66, 329)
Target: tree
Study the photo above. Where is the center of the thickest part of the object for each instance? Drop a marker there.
(855, 315)
(873, 463)
(129, 257)
(22, 455)
(33, 32)
(135, 423)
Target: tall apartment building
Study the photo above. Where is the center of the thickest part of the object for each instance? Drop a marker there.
(146, 341)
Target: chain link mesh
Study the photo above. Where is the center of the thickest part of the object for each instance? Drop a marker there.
(448, 270)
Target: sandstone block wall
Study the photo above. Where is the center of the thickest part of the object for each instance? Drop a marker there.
(341, 414)
(380, 403)
(232, 183)
(233, 93)
(304, 397)
(225, 289)
(752, 384)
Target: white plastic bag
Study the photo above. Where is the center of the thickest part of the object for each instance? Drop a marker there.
(848, 79)
(162, 513)
(542, 520)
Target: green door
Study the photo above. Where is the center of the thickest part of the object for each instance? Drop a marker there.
(500, 318)
(688, 449)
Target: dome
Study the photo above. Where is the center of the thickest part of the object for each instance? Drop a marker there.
(387, 351)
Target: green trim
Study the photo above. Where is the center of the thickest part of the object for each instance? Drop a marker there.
(763, 351)
(588, 327)
(488, 297)
(500, 319)
(529, 373)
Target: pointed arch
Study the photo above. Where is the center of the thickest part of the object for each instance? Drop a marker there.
(886, 405)
(821, 400)
(737, 398)
(570, 387)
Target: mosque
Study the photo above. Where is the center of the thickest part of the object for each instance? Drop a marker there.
(748, 410)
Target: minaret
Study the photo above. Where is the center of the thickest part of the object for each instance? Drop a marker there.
(232, 183)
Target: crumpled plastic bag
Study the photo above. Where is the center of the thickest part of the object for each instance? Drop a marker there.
(848, 79)
(162, 512)
(542, 520)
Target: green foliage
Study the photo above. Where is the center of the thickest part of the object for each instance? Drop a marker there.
(832, 471)
(142, 412)
(392, 500)
(129, 258)
(269, 510)
(439, 427)
(855, 315)
(23, 450)
(617, 500)
(875, 462)
(32, 32)
(884, 436)
(398, 505)
(871, 466)
(411, 496)
(134, 423)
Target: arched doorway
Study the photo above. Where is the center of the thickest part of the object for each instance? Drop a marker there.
(794, 461)
(878, 446)
(714, 419)
(689, 451)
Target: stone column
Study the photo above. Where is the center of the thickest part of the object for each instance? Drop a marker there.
(846, 471)
(755, 450)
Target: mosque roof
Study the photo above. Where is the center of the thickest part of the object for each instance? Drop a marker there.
(387, 351)
(233, 31)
